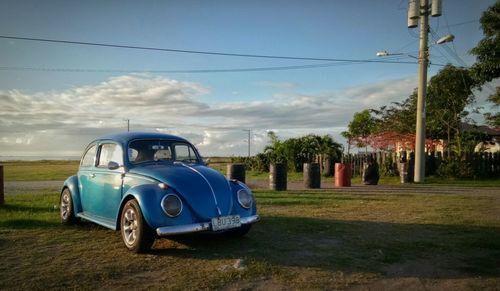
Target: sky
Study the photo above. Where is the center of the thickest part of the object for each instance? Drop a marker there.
(57, 97)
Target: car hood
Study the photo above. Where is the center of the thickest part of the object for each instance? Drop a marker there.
(203, 188)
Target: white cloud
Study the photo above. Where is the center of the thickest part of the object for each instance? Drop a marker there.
(52, 123)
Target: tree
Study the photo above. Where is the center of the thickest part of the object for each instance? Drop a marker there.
(398, 118)
(360, 128)
(297, 151)
(293, 152)
(493, 119)
(448, 94)
(487, 52)
(349, 137)
(309, 147)
(330, 148)
(275, 152)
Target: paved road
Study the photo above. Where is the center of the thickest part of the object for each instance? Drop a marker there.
(17, 187)
(402, 188)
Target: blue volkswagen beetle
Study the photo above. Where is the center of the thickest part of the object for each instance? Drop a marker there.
(152, 185)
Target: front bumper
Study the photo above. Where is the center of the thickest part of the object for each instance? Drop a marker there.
(197, 227)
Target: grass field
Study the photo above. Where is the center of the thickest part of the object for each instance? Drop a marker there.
(305, 240)
(60, 170)
(39, 170)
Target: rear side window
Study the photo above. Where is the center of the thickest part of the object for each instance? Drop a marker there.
(88, 159)
(110, 152)
(184, 152)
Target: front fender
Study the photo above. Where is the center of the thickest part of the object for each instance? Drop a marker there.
(235, 187)
(72, 184)
(149, 198)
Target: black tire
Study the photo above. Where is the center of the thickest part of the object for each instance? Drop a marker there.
(136, 233)
(67, 212)
(238, 232)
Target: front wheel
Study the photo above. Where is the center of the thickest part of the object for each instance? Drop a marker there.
(136, 233)
(66, 208)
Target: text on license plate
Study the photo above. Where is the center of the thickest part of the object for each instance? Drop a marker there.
(225, 222)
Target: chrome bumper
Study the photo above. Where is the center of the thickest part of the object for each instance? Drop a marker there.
(197, 227)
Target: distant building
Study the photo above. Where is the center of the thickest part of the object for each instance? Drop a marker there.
(490, 144)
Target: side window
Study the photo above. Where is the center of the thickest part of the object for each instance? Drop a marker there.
(88, 159)
(132, 154)
(184, 152)
(110, 152)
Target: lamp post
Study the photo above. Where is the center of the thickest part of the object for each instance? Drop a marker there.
(249, 132)
(128, 124)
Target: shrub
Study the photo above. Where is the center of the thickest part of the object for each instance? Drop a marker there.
(388, 168)
(455, 169)
(258, 163)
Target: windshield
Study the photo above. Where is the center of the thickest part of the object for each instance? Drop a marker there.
(140, 151)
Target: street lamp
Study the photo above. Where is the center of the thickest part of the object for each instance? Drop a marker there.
(385, 54)
(445, 39)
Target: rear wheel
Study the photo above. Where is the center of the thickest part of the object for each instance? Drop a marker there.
(66, 208)
(136, 233)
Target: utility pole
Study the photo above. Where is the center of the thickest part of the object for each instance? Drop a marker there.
(420, 9)
(422, 92)
(128, 124)
(249, 132)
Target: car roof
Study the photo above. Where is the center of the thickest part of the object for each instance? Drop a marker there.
(125, 137)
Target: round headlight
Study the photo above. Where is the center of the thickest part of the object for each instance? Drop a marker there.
(171, 205)
(245, 198)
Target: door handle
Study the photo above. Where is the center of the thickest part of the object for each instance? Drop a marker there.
(92, 176)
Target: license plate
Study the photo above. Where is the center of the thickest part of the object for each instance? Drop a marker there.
(225, 222)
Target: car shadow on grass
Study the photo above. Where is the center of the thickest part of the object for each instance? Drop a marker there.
(391, 249)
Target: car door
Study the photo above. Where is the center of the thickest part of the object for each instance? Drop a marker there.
(86, 173)
(107, 183)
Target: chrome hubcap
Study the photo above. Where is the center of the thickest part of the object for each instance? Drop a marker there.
(65, 204)
(130, 226)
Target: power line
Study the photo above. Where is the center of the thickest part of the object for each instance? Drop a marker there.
(233, 70)
(453, 53)
(336, 62)
(464, 22)
(188, 51)
(457, 57)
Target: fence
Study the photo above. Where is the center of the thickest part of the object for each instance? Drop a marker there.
(480, 165)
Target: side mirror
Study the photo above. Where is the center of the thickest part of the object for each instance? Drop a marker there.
(206, 161)
(113, 165)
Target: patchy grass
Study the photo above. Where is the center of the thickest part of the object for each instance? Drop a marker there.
(489, 182)
(39, 170)
(306, 240)
(59, 170)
